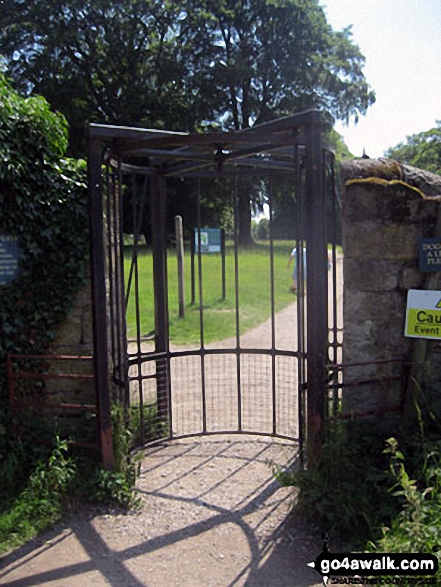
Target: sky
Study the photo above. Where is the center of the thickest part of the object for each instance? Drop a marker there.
(401, 41)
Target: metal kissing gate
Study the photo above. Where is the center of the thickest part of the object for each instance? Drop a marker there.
(267, 380)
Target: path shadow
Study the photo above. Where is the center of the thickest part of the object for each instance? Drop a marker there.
(230, 496)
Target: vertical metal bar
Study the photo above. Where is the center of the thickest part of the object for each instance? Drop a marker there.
(137, 230)
(161, 295)
(317, 290)
(109, 196)
(134, 265)
(98, 264)
(301, 366)
(334, 351)
(122, 335)
(180, 262)
(273, 313)
(114, 278)
(201, 312)
(236, 293)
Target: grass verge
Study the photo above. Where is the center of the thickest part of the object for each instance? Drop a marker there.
(254, 290)
(44, 481)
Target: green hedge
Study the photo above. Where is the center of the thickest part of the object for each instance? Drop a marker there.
(43, 199)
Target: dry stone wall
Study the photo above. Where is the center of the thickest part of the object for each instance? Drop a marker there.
(387, 209)
(74, 337)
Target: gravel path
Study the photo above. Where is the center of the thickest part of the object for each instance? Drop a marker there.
(213, 516)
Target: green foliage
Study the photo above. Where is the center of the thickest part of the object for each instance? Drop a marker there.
(219, 315)
(338, 145)
(43, 202)
(37, 481)
(39, 504)
(119, 485)
(23, 444)
(260, 230)
(417, 526)
(190, 65)
(422, 150)
(347, 493)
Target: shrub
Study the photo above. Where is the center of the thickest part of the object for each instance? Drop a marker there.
(44, 206)
(346, 493)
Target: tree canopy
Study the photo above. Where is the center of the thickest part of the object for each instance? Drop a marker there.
(183, 64)
(421, 150)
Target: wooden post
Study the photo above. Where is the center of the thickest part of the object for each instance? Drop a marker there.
(192, 253)
(224, 288)
(419, 351)
(180, 256)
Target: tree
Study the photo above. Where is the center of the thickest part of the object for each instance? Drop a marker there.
(112, 62)
(276, 57)
(286, 204)
(421, 150)
(183, 65)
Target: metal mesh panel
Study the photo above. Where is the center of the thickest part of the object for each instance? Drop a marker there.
(253, 387)
(287, 396)
(221, 392)
(256, 384)
(186, 384)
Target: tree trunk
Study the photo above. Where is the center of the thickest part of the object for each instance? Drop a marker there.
(244, 220)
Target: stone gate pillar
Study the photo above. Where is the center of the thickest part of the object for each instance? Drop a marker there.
(387, 209)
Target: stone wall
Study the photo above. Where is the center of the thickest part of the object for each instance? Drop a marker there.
(387, 209)
(74, 337)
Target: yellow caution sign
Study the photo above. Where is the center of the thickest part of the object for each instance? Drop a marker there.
(423, 315)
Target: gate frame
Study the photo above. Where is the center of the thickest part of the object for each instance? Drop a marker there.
(121, 138)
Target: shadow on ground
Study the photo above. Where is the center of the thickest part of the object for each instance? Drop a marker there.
(213, 515)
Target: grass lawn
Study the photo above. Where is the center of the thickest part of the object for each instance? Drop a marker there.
(219, 316)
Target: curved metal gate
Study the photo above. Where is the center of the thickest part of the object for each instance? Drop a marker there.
(270, 381)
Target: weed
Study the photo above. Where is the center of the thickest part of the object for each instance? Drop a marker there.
(48, 478)
(344, 494)
(119, 485)
(417, 526)
(40, 502)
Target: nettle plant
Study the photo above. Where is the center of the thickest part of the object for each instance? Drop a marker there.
(43, 199)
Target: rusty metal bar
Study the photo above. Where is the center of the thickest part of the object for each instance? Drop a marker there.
(370, 381)
(121, 309)
(43, 376)
(98, 264)
(52, 357)
(201, 309)
(160, 292)
(51, 406)
(273, 313)
(317, 290)
(236, 294)
(301, 342)
(15, 376)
